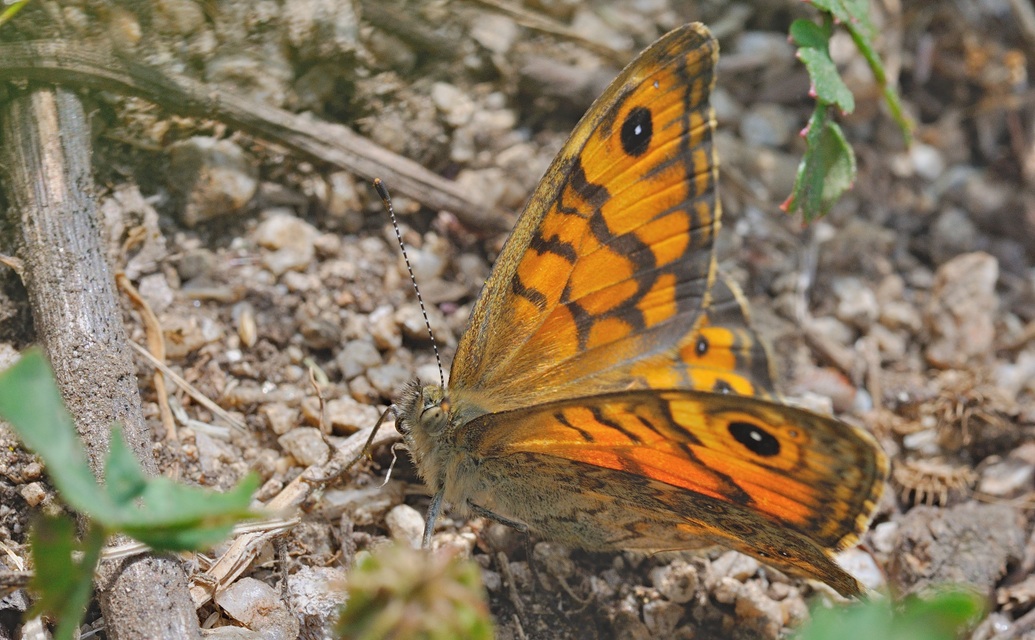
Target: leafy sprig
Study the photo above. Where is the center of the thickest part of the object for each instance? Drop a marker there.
(162, 514)
(828, 168)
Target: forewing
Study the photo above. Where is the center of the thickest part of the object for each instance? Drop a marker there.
(612, 258)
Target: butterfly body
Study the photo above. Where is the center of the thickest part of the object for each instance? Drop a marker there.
(608, 392)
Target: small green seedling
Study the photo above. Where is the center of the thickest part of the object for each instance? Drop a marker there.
(162, 514)
(828, 167)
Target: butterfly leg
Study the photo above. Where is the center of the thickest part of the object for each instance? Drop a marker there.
(529, 553)
(529, 549)
(513, 524)
(495, 517)
(429, 520)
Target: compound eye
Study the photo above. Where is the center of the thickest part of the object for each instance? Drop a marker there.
(433, 418)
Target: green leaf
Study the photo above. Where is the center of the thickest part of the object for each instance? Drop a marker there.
(854, 16)
(176, 517)
(124, 479)
(166, 515)
(813, 50)
(156, 511)
(63, 584)
(939, 616)
(943, 615)
(31, 403)
(806, 33)
(828, 168)
(826, 171)
(851, 13)
(827, 84)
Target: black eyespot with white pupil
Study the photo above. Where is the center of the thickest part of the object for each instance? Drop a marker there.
(701, 345)
(757, 440)
(637, 131)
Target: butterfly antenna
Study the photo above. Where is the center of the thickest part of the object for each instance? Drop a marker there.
(382, 191)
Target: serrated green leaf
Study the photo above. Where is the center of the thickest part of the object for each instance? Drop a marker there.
(826, 81)
(806, 33)
(854, 13)
(826, 171)
(814, 51)
(31, 403)
(828, 168)
(63, 584)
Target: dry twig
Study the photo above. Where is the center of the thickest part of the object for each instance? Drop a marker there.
(95, 65)
(245, 548)
(156, 345)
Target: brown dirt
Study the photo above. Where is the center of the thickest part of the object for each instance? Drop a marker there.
(911, 306)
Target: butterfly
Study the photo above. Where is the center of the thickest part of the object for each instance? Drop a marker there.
(608, 392)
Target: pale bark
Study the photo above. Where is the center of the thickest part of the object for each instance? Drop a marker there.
(46, 173)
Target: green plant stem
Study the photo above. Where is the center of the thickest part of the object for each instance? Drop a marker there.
(11, 11)
(890, 95)
(93, 545)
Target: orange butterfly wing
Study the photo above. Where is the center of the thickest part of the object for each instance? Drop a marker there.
(607, 389)
(612, 260)
(722, 353)
(667, 470)
(805, 472)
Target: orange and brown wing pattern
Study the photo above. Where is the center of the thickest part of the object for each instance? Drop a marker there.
(807, 473)
(608, 391)
(722, 354)
(612, 259)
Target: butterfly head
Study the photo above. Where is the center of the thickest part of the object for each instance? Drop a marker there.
(423, 409)
(423, 416)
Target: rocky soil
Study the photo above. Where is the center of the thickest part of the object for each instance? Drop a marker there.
(910, 309)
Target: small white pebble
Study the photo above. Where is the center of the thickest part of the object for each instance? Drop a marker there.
(406, 525)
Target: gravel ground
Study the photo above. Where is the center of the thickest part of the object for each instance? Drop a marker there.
(910, 309)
